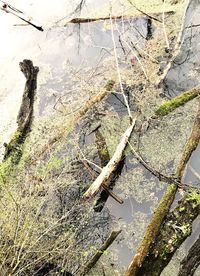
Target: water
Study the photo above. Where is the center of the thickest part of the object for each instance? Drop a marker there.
(69, 58)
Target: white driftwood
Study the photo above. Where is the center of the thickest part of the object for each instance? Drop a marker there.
(112, 164)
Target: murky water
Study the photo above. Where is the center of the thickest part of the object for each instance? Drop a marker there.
(184, 75)
(70, 57)
(60, 52)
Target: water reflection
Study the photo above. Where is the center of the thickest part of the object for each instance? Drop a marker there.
(69, 57)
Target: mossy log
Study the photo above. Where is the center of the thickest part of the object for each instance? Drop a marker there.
(191, 144)
(90, 264)
(24, 120)
(179, 100)
(177, 227)
(154, 230)
(190, 263)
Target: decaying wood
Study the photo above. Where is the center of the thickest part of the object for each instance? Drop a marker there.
(155, 17)
(86, 268)
(78, 20)
(25, 115)
(177, 227)
(154, 227)
(96, 99)
(106, 189)
(104, 157)
(190, 263)
(12, 10)
(112, 164)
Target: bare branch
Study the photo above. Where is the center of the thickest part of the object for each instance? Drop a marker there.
(112, 164)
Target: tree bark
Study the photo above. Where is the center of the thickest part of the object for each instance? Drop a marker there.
(177, 227)
(190, 263)
(25, 115)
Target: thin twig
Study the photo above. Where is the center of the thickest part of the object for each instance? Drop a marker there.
(163, 23)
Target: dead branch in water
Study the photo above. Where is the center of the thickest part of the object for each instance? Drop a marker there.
(78, 20)
(104, 157)
(90, 264)
(106, 188)
(153, 229)
(112, 164)
(96, 99)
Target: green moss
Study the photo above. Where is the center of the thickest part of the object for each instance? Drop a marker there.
(182, 209)
(104, 152)
(158, 216)
(54, 163)
(186, 229)
(169, 106)
(194, 196)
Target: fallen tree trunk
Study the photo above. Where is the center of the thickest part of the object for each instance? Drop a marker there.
(154, 227)
(24, 120)
(90, 264)
(177, 227)
(112, 164)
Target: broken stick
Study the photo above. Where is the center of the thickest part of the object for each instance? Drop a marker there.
(90, 264)
(112, 164)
